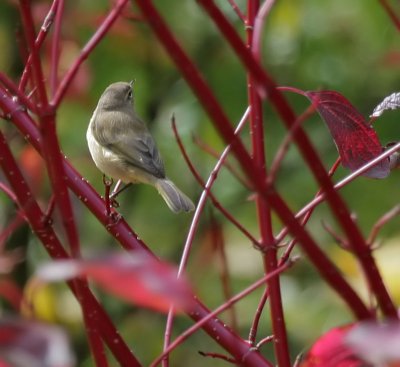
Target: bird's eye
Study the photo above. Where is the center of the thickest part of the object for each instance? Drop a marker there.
(130, 94)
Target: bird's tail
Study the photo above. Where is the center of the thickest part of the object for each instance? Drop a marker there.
(176, 200)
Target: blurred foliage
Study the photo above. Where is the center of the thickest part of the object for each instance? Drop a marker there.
(348, 46)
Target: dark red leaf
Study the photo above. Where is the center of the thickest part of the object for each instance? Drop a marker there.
(356, 140)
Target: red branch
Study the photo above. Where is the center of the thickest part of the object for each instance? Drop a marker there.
(48, 21)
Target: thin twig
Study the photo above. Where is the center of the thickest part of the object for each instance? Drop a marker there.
(268, 339)
(87, 49)
(219, 356)
(55, 49)
(44, 30)
(259, 21)
(306, 215)
(7, 190)
(217, 239)
(351, 177)
(342, 242)
(235, 173)
(282, 150)
(384, 219)
(257, 317)
(212, 197)
(237, 10)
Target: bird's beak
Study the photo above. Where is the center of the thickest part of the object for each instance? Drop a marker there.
(132, 82)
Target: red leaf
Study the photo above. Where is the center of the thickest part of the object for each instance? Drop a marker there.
(356, 140)
(331, 351)
(137, 278)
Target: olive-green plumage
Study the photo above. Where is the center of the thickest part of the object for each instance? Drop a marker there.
(123, 148)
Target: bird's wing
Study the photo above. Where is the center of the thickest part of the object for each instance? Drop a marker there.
(134, 144)
(141, 151)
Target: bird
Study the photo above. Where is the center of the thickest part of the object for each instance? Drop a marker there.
(123, 148)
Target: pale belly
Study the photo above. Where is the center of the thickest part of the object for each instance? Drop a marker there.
(112, 166)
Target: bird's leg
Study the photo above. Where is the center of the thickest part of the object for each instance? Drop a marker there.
(107, 185)
(117, 190)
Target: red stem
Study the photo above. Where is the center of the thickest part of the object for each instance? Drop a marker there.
(283, 148)
(48, 21)
(29, 32)
(212, 152)
(307, 214)
(338, 207)
(13, 90)
(55, 167)
(258, 24)
(392, 15)
(8, 192)
(263, 210)
(257, 317)
(395, 211)
(55, 49)
(219, 248)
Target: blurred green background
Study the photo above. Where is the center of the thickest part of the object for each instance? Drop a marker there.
(348, 46)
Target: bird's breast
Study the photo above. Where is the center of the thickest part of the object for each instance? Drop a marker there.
(106, 160)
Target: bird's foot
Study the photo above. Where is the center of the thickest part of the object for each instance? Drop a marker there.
(113, 219)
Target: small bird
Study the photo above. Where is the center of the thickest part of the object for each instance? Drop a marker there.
(122, 147)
